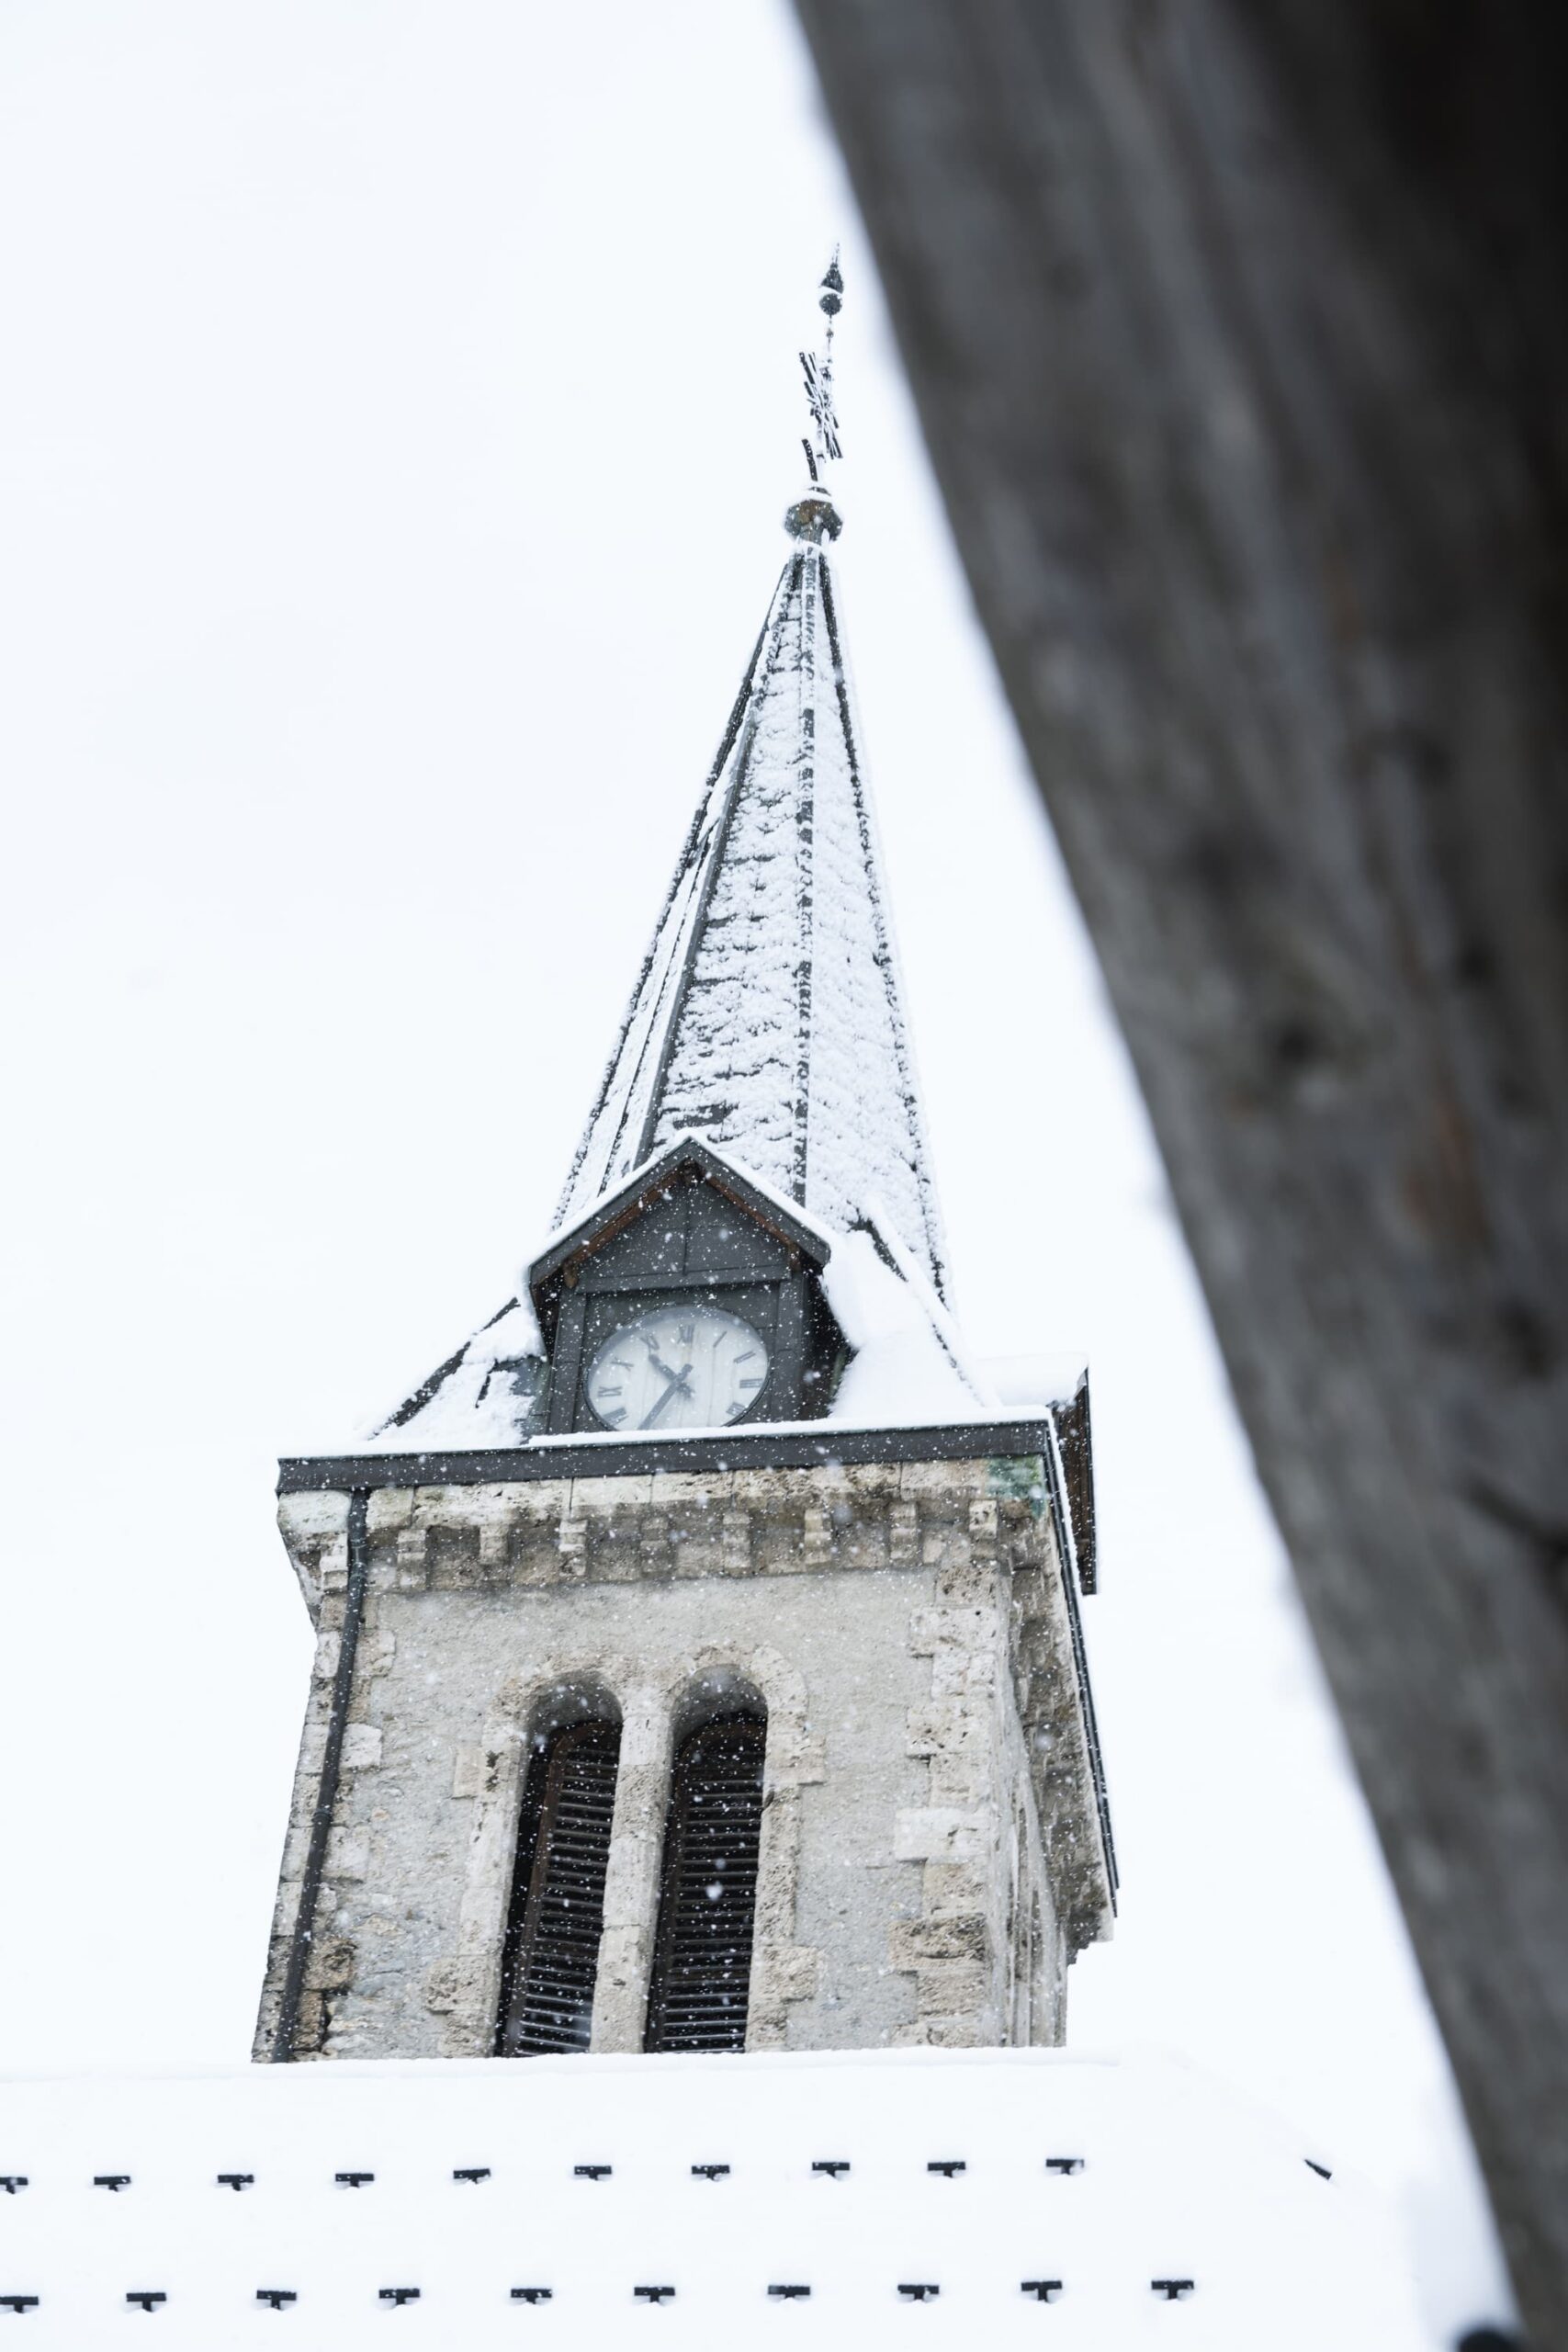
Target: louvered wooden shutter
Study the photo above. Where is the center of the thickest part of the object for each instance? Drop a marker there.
(557, 1895)
(702, 1960)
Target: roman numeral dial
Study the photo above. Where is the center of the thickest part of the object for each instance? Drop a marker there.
(682, 1367)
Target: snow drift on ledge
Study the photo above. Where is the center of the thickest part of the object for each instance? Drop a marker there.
(908, 1365)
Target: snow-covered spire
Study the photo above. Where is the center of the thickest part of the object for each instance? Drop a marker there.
(767, 1015)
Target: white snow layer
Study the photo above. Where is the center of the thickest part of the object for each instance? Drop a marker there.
(907, 1367)
(1031, 1382)
(1176, 2179)
(767, 1021)
(488, 1397)
(767, 1015)
(647, 1175)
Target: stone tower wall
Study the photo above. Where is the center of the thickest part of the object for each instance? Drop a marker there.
(930, 1855)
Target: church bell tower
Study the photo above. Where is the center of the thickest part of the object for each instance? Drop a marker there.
(698, 1659)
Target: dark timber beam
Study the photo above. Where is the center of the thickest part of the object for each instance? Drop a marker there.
(1238, 336)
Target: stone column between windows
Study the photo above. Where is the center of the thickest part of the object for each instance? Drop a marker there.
(631, 1880)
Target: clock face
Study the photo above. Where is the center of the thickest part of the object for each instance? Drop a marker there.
(681, 1367)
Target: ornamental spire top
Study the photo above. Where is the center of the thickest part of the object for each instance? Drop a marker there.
(814, 516)
(818, 371)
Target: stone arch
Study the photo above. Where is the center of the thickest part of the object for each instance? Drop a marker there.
(699, 1994)
(465, 1987)
(783, 1972)
(550, 1963)
(717, 1689)
(577, 1695)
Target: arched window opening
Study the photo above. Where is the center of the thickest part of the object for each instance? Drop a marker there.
(551, 1956)
(702, 1964)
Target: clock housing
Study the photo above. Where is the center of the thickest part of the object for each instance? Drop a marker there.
(691, 1242)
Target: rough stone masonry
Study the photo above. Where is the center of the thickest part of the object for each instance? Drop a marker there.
(931, 1856)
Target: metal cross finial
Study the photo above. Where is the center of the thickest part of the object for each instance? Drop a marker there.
(818, 371)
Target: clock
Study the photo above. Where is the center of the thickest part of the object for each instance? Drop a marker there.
(678, 1367)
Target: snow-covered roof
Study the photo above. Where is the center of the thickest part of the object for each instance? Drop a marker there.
(472, 2182)
(644, 1183)
(907, 1363)
(487, 1393)
(1023, 1384)
(767, 1014)
(766, 1025)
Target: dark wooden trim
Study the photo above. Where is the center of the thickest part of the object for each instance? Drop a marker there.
(634, 1457)
(1076, 1432)
(622, 1207)
(566, 1363)
(598, 1284)
(786, 1370)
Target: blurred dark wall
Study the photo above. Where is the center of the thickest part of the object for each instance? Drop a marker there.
(1238, 335)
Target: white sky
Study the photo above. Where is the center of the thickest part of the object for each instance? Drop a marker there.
(399, 408)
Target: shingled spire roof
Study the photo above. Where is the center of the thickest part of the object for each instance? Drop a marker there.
(767, 1016)
(766, 1023)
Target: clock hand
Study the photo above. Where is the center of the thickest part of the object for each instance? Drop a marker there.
(677, 1383)
(660, 1366)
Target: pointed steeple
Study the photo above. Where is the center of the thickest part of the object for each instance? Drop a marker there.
(766, 1021)
(767, 1016)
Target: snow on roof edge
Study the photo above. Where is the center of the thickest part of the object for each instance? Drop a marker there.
(629, 1185)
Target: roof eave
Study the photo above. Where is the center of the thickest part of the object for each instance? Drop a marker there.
(1076, 1437)
(616, 1210)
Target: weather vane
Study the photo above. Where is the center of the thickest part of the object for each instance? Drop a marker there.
(819, 374)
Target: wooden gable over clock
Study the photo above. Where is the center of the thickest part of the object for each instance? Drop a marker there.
(691, 1299)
